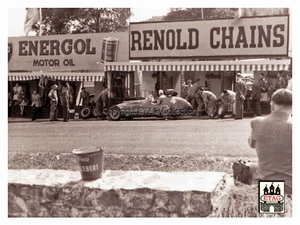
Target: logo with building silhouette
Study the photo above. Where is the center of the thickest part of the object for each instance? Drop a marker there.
(271, 196)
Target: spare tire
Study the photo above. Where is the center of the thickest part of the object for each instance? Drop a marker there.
(85, 112)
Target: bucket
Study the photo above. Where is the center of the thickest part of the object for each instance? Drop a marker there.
(90, 161)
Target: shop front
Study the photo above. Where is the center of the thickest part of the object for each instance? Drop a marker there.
(215, 75)
(164, 55)
(77, 59)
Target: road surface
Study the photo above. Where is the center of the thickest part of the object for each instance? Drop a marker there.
(191, 136)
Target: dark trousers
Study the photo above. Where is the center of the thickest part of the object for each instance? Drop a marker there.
(257, 107)
(35, 112)
(239, 109)
(100, 109)
(66, 114)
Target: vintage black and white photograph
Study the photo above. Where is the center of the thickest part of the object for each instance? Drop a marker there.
(137, 112)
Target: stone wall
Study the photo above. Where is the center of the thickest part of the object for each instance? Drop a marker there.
(59, 193)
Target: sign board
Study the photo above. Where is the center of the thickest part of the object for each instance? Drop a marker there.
(75, 52)
(246, 37)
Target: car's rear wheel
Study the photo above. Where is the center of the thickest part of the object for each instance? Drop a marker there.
(94, 112)
(85, 112)
(114, 113)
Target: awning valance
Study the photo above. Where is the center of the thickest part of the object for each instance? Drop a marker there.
(61, 76)
(235, 65)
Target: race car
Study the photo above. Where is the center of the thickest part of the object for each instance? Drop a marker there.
(171, 106)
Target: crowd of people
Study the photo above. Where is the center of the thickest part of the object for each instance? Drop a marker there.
(205, 100)
(59, 94)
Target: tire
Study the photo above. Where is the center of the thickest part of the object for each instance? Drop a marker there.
(114, 113)
(85, 112)
(164, 110)
(94, 112)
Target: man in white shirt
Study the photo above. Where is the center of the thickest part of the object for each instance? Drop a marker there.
(228, 97)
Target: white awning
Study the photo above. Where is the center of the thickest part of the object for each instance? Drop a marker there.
(64, 76)
(234, 65)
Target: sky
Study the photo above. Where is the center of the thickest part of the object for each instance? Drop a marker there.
(16, 17)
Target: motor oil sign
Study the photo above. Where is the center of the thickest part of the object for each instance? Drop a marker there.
(255, 36)
(78, 52)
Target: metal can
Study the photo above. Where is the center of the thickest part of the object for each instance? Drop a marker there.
(109, 51)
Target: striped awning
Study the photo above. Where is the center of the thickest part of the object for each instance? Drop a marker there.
(235, 65)
(62, 76)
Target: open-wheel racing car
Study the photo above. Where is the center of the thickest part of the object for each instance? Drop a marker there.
(171, 106)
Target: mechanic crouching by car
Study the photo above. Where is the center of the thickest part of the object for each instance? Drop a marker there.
(101, 103)
(210, 101)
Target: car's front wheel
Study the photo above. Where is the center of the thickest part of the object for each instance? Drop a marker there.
(114, 113)
(85, 112)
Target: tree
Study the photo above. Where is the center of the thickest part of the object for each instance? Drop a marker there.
(84, 20)
(180, 14)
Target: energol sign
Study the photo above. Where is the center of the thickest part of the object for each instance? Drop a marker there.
(78, 52)
(255, 36)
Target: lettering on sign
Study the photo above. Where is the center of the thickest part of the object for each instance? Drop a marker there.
(55, 48)
(209, 38)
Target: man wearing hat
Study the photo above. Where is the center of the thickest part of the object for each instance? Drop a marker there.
(240, 89)
(53, 103)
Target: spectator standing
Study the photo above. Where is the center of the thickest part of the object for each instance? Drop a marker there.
(59, 92)
(228, 97)
(192, 93)
(65, 102)
(53, 103)
(23, 102)
(289, 81)
(71, 94)
(84, 96)
(184, 89)
(157, 82)
(270, 87)
(282, 82)
(256, 95)
(209, 100)
(101, 103)
(42, 89)
(35, 104)
(16, 94)
(241, 91)
(271, 136)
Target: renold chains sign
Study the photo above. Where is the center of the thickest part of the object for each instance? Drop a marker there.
(255, 36)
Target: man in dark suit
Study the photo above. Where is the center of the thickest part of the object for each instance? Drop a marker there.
(240, 89)
(256, 95)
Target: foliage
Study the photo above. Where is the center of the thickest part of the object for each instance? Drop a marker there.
(179, 14)
(166, 163)
(84, 20)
